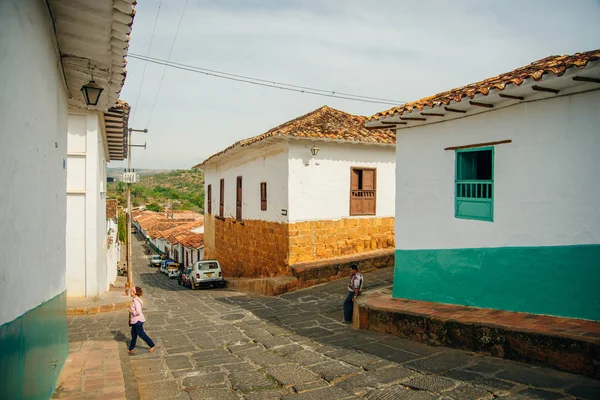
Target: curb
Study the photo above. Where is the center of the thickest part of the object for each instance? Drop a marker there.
(98, 309)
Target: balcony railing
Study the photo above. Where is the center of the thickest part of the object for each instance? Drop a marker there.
(474, 189)
(361, 194)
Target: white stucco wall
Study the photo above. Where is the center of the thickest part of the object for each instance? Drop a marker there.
(87, 272)
(545, 181)
(321, 189)
(266, 164)
(33, 136)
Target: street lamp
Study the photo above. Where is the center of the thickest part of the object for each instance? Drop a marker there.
(314, 150)
(91, 93)
(91, 90)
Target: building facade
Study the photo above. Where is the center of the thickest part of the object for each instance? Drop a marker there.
(497, 210)
(40, 83)
(90, 267)
(271, 203)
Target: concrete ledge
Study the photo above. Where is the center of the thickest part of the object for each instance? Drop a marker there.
(312, 273)
(321, 271)
(560, 343)
(263, 286)
(112, 300)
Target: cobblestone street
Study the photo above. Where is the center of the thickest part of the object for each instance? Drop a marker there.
(221, 344)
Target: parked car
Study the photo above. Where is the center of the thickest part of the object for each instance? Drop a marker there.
(207, 273)
(173, 270)
(164, 264)
(184, 277)
(155, 261)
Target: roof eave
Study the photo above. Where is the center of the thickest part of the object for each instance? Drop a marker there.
(93, 38)
(546, 87)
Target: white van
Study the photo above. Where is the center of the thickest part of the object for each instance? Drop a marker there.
(207, 273)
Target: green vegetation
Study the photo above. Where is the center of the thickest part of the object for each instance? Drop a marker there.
(180, 189)
(122, 228)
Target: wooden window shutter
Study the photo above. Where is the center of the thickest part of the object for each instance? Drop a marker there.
(368, 179)
(221, 197)
(355, 200)
(363, 186)
(209, 199)
(238, 199)
(355, 179)
(263, 196)
(369, 192)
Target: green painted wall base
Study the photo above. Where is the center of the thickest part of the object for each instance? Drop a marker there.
(554, 280)
(33, 350)
(153, 247)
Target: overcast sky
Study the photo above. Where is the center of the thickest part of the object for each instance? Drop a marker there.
(401, 50)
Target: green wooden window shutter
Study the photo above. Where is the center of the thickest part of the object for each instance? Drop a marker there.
(474, 184)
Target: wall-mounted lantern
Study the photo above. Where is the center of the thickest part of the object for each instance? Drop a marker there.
(314, 150)
(91, 90)
(91, 93)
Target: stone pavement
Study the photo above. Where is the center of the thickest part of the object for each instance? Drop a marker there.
(221, 344)
(92, 371)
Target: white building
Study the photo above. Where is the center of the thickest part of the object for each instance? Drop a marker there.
(42, 73)
(113, 246)
(497, 195)
(271, 203)
(90, 269)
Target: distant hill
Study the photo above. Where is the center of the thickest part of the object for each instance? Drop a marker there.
(181, 189)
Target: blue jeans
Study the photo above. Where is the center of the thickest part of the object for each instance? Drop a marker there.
(137, 329)
(349, 306)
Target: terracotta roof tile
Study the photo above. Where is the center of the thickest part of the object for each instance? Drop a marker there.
(192, 240)
(324, 123)
(536, 70)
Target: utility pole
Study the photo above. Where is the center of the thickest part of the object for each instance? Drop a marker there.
(129, 177)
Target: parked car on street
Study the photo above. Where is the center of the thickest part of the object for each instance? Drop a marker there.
(155, 261)
(164, 264)
(173, 270)
(184, 277)
(207, 273)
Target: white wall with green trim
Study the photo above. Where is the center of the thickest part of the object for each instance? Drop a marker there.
(540, 252)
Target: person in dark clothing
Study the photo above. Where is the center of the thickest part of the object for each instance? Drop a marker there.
(354, 290)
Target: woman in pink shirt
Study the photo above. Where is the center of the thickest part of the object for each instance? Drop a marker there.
(136, 321)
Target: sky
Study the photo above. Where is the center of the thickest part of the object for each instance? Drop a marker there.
(399, 50)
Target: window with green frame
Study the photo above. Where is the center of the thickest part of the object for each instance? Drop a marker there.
(474, 184)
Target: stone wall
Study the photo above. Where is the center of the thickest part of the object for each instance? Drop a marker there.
(251, 248)
(209, 237)
(317, 240)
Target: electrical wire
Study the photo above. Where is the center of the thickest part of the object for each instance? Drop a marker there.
(145, 65)
(265, 83)
(165, 68)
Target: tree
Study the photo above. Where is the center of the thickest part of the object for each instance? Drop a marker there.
(154, 207)
(122, 226)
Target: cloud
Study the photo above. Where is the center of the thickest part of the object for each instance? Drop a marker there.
(394, 49)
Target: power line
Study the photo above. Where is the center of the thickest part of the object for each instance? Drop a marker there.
(265, 83)
(145, 65)
(165, 68)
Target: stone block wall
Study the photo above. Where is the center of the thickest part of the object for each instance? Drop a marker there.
(317, 240)
(209, 237)
(251, 248)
